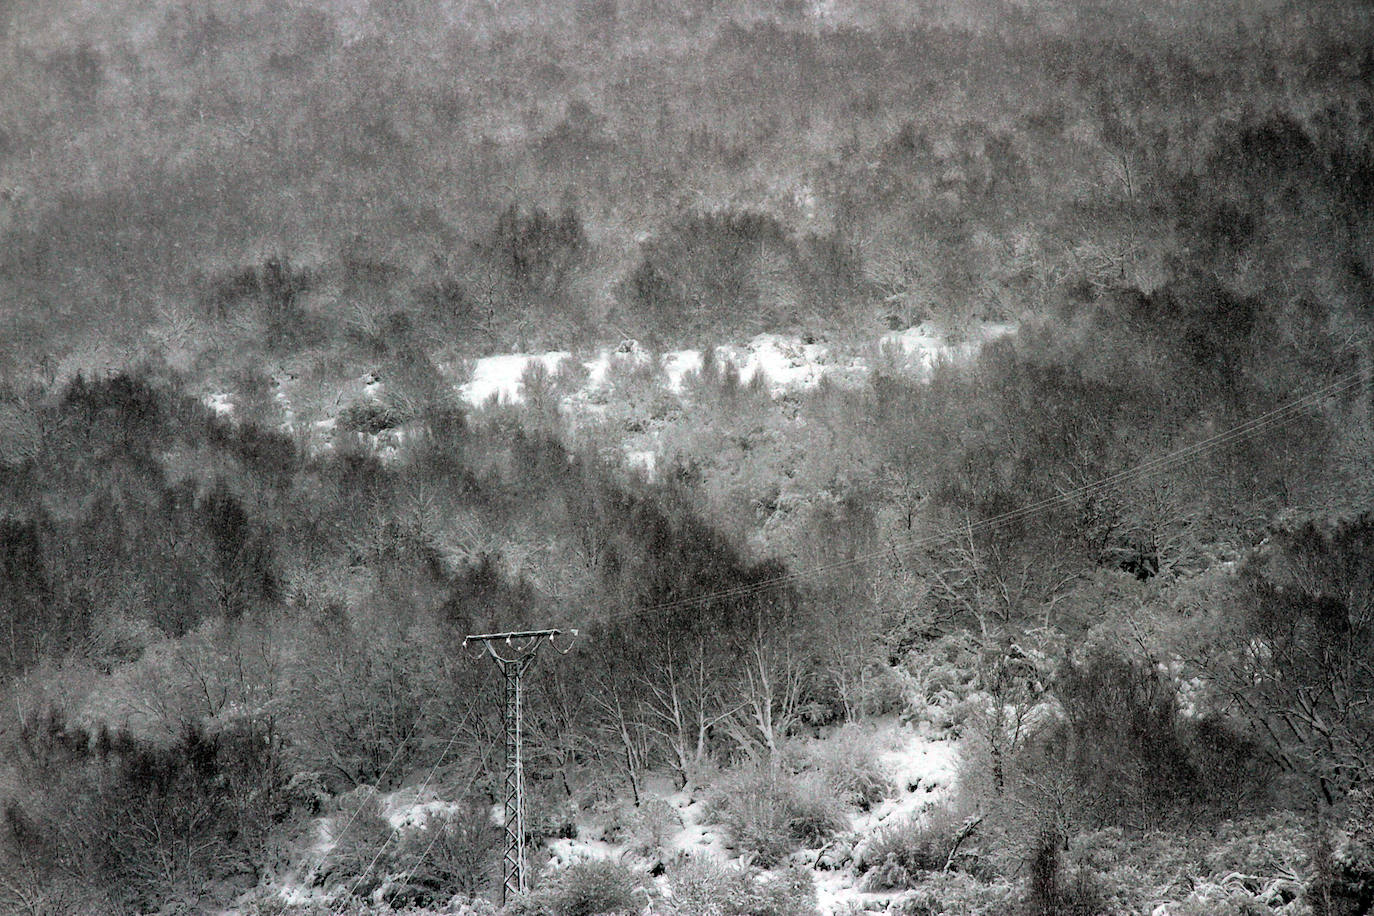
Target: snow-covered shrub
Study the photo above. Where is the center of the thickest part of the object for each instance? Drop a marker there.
(889, 874)
(848, 763)
(370, 418)
(901, 853)
(704, 887)
(956, 894)
(879, 691)
(362, 839)
(453, 853)
(267, 902)
(644, 828)
(771, 811)
(596, 887)
(814, 814)
(942, 677)
(549, 814)
(477, 906)
(307, 792)
(1342, 875)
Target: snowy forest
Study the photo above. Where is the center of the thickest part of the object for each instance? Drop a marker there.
(947, 424)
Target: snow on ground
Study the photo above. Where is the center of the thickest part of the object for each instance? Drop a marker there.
(923, 771)
(677, 364)
(221, 402)
(924, 345)
(564, 852)
(645, 460)
(696, 838)
(500, 377)
(787, 363)
(405, 808)
(626, 356)
(836, 894)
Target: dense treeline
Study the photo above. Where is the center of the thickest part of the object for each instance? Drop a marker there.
(180, 588)
(579, 178)
(183, 590)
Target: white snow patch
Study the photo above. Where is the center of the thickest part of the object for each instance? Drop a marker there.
(696, 838)
(564, 852)
(626, 356)
(677, 364)
(409, 808)
(787, 363)
(500, 376)
(923, 769)
(288, 414)
(924, 345)
(221, 403)
(597, 369)
(836, 894)
(643, 460)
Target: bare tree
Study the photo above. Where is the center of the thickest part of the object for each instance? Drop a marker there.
(774, 675)
(684, 700)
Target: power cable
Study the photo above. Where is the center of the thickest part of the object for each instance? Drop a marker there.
(424, 855)
(395, 755)
(1271, 418)
(472, 705)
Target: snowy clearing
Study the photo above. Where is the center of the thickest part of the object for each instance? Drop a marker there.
(788, 363)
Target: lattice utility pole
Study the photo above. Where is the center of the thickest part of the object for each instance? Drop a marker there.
(516, 659)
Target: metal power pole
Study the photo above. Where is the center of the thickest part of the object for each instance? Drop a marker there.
(515, 660)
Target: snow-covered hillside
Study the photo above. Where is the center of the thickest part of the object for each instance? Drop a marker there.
(921, 770)
(584, 384)
(787, 363)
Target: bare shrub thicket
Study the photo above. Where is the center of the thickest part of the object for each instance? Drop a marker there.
(770, 811)
(599, 887)
(704, 887)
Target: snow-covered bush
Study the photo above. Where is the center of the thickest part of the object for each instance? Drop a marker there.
(643, 828)
(596, 887)
(450, 853)
(848, 763)
(267, 901)
(902, 853)
(704, 887)
(771, 811)
(885, 692)
(942, 677)
(355, 862)
(956, 894)
(370, 418)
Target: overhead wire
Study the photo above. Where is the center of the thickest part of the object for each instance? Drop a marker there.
(1270, 418)
(395, 755)
(438, 832)
(453, 737)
